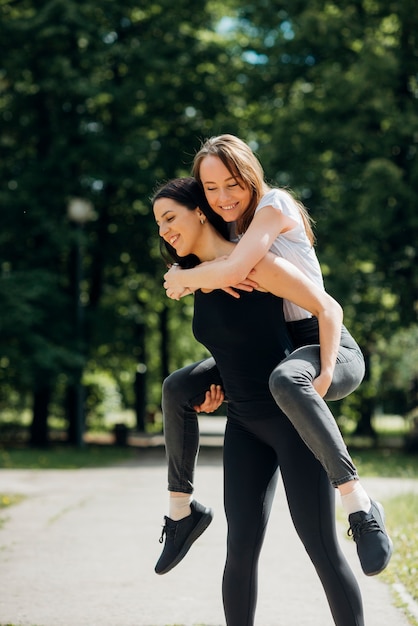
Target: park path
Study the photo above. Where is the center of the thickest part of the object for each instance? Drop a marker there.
(80, 550)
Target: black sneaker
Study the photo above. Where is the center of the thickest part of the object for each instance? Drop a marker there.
(374, 546)
(179, 536)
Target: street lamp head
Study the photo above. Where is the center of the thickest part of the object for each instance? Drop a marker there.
(80, 211)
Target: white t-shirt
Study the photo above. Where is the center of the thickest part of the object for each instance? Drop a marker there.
(294, 246)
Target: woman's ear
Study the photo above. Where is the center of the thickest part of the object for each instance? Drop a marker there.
(201, 216)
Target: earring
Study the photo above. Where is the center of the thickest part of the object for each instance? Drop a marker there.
(202, 220)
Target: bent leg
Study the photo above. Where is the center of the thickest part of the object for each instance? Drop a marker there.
(182, 390)
(291, 386)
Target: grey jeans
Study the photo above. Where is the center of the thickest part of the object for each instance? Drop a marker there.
(291, 386)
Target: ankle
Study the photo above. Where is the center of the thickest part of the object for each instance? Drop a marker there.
(348, 487)
(355, 499)
(179, 505)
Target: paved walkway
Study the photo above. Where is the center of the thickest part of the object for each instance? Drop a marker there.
(80, 550)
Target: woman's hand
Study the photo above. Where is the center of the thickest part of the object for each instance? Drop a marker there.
(175, 289)
(322, 383)
(245, 285)
(213, 400)
(172, 282)
(176, 295)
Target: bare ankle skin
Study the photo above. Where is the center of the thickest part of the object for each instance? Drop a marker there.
(347, 487)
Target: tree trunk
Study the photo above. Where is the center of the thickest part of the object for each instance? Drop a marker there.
(39, 426)
(75, 414)
(364, 426)
(140, 380)
(140, 397)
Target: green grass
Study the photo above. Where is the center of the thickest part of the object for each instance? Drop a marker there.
(64, 457)
(402, 515)
(8, 500)
(385, 463)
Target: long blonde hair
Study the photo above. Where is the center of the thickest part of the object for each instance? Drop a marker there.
(241, 162)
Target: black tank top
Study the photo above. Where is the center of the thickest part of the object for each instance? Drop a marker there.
(248, 338)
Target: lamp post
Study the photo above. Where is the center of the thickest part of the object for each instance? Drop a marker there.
(79, 212)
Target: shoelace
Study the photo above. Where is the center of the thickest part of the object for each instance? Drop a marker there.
(163, 532)
(167, 530)
(360, 528)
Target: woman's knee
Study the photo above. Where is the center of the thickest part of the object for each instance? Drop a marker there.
(285, 380)
(188, 385)
(173, 388)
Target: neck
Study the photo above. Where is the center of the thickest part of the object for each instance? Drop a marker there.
(212, 245)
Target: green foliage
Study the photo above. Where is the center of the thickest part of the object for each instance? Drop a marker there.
(90, 110)
(332, 108)
(64, 457)
(103, 100)
(102, 397)
(399, 371)
(333, 82)
(385, 463)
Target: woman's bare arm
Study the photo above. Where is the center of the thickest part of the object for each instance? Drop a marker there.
(283, 279)
(266, 225)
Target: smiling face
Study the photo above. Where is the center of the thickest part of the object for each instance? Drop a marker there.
(178, 225)
(226, 194)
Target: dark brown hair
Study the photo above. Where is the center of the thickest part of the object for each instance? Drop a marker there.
(189, 193)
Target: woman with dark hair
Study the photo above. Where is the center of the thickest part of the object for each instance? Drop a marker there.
(247, 337)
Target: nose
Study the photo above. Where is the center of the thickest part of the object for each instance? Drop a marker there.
(223, 194)
(163, 229)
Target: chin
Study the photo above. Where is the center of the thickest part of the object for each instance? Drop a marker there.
(228, 216)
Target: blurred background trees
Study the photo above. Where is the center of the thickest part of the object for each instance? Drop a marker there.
(100, 102)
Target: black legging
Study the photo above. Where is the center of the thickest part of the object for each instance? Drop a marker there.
(247, 337)
(255, 452)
